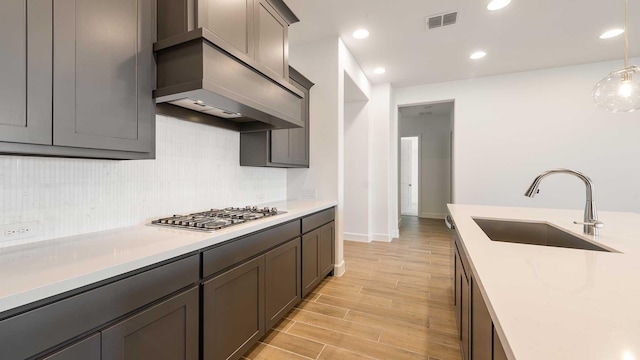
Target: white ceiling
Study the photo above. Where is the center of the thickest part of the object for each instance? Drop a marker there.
(526, 35)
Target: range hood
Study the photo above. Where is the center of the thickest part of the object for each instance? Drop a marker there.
(197, 71)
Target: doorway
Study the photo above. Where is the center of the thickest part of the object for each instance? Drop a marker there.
(431, 125)
(409, 175)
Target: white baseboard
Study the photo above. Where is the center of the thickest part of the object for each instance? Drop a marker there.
(395, 233)
(381, 237)
(433, 216)
(357, 237)
(339, 269)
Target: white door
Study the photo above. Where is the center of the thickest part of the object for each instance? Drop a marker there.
(409, 176)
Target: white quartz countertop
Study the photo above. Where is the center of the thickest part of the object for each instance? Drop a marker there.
(557, 303)
(37, 271)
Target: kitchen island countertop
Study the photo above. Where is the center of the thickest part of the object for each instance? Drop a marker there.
(558, 303)
(32, 272)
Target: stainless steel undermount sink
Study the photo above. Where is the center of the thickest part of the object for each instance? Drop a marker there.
(533, 233)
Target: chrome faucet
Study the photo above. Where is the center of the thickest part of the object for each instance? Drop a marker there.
(590, 223)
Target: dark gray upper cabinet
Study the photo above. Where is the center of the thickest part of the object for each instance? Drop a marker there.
(271, 39)
(256, 28)
(284, 148)
(77, 78)
(25, 75)
(232, 21)
(103, 74)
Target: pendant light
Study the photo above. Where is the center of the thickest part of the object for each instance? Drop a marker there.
(620, 91)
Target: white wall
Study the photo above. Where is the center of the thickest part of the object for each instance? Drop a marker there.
(383, 183)
(509, 128)
(327, 62)
(197, 167)
(435, 161)
(356, 172)
(319, 61)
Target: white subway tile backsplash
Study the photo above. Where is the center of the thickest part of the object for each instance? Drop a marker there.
(196, 167)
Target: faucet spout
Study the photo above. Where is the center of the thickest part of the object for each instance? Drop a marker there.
(591, 223)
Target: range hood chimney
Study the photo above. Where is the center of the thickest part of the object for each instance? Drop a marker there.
(218, 84)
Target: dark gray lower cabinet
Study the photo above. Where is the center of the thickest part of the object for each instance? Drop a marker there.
(325, 251)
(481, 326)
(233, 311)
(462, 295)
(498, 349)
(478, 339)
(166, 331)
(87, 349)
(168, 312)
(317, 256)
(282, 281)
(310, 273)
(465, 316)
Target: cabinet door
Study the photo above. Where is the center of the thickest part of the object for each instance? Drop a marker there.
(310, 274)
(498, 349)
(291, 146)
(232, 21)
(481, 326)
(25, 74)
(167, 331)
(104, 74)
(463, 306)
(325, 249)
(458, 276)
(465, 313)
(282, 287)
(271, 33)
(87, 349)
(233, 311)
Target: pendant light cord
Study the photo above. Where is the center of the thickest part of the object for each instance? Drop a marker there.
(626, 28)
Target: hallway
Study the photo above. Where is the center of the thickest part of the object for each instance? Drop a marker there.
(395, 301)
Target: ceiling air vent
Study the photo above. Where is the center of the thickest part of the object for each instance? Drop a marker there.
(436, 21)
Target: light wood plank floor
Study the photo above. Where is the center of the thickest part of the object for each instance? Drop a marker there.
(395, 301)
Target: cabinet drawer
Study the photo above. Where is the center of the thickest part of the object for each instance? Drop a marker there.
(87, 349)
(318, 219)
(241, 249)
(168, 330)
(35, 331)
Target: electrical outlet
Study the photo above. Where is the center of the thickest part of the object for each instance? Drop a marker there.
(18, 231)
(259, 198)
(309, 194)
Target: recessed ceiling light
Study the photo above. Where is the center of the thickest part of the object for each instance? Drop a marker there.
(611, 33)
(379, 70)
(478, 55)
(498, 4)
(361, 34)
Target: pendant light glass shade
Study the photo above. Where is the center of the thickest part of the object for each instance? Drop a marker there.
(620, 91)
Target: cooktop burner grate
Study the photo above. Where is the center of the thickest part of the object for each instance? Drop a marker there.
(216, 219)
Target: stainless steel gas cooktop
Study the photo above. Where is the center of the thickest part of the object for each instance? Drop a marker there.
(215, 219)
